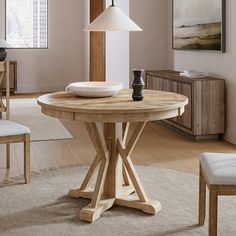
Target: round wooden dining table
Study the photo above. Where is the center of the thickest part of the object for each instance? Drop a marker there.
(107, 121)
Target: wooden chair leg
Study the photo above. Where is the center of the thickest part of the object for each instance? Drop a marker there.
(213, 210)
(202, 199)
(8, 161)
(27, 158)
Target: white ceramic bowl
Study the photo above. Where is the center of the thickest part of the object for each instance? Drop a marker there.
(94, 89)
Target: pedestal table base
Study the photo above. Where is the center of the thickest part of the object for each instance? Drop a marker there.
(117, 181)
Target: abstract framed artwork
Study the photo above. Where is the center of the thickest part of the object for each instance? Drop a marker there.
(199, 25)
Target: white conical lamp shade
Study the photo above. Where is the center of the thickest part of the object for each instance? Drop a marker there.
(113, 19)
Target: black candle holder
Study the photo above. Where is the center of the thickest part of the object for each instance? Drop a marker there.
(138, 85)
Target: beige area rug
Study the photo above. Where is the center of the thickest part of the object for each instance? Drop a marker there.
(27, 112)
(42, 208)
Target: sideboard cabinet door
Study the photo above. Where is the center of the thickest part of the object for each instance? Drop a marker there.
(186, 119)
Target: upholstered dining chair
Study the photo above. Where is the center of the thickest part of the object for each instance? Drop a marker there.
(11, 132)
(218, 173)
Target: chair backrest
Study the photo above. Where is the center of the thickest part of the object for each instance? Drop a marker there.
(5, 71)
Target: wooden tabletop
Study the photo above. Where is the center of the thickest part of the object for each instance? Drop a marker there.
(119, 108)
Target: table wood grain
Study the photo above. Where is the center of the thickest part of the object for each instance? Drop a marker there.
(119, 108)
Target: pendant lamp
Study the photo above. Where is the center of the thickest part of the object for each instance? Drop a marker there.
(113, 19)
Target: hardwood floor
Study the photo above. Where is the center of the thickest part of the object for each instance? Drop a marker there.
(158, 146)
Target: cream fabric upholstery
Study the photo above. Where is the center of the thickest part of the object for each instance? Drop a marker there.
(219, 168)
(10, 128)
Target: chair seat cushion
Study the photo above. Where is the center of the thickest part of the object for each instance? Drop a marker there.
(10, 128)
(219, 168)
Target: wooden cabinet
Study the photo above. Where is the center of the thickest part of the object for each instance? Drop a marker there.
(204, 116)
(13, 78)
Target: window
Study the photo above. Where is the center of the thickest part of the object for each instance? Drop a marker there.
(26, 23)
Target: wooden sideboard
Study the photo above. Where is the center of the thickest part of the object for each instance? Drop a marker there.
(204, 117)
(13, 79)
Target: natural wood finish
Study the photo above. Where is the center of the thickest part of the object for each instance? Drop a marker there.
(27, 158)
(12, 78)
(55, 113)
(214, 192)
(97, 139)
(213, 210)
(226, 190)
(12, 139)
(4, 72)
(113, 184)
(91, 214)
(126, 127)
(90, 173)
(125, 153)
(97, 45)
(126, 178)
(150, 206)
(113, 154)
(25, 138)
(157, 105)
(7, 76)
(110, 192)
(202, 199)
(7, 90)
(204, 117)
(99, 184)
(102, 151)
(186, 119)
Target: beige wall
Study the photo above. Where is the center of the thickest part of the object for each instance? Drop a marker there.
(117, 51)
(52, 69)
(148, 48)
(216, 64)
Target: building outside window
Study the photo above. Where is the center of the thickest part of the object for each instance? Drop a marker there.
(27, 23)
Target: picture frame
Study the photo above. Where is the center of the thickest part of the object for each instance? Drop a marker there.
(203, 32)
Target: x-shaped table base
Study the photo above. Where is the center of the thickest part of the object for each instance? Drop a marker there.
(117, 179)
